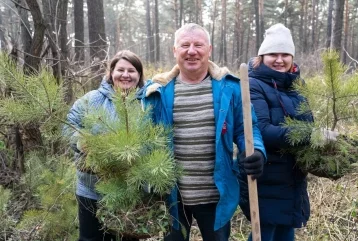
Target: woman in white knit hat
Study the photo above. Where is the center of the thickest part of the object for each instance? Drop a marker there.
(282, 189)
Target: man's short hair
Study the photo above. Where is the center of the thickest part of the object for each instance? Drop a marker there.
(187, 28)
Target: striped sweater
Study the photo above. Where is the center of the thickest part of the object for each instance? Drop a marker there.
(194, 141)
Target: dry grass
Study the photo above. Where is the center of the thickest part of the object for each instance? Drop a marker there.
(334, 210)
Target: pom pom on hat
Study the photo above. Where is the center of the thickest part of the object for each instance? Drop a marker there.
(278, 39)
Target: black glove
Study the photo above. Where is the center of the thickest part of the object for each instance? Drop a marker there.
(254, 164)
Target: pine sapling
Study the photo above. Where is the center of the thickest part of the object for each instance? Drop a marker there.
(135, 166)
(332, 98)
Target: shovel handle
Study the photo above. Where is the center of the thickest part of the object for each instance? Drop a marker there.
(249, 149)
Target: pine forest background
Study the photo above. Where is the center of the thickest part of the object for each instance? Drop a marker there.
(53, 51)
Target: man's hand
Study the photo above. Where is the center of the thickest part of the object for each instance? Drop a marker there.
(254, 164)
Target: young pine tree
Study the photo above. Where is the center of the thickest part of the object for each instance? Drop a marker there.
(135, 167)
(44, 197)
(332, 96)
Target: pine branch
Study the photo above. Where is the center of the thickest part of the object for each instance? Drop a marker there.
(129, 153)
(332, 101)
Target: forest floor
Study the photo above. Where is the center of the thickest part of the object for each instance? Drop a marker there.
(334, 209)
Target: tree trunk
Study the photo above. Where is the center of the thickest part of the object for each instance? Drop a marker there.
(181, 10)
(50, 8)
(238, 36)
(305, 21)
(2, 37)
(319, 25)
(354, 32)
(257, 24)
(56, 21)
(97, 38)
(79, 30)
(198, 12)
(242, 40)
(300, 31)
(291, 20)
(262, 20)
(190, 12)
(248, 37)
(313, 25)
(223, 54)
(157, 37)
(213, 18)
(32, 60)
(15, 143)
(259, 21)
(25, 28)
(150, 43)
(176, 15)
(346, 27)
(329, 24)
(338, 25)
(119, 34)
(62, 23)
(286, 12)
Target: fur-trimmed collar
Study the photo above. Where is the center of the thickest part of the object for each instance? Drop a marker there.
(215, 72)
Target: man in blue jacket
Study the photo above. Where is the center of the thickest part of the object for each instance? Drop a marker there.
(202, 104)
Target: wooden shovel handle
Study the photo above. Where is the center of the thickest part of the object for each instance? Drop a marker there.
(249, 148)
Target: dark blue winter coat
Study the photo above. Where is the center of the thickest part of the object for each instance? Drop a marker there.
(282, 189)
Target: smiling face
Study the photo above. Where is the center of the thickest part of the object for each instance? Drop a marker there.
(124, 75)
(278, 61)
(192, 51)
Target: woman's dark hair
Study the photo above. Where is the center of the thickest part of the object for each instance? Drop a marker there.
(131, 58)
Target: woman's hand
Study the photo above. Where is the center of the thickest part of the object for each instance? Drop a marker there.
(322, 136)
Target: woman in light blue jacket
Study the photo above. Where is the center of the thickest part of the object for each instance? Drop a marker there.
(125, 72)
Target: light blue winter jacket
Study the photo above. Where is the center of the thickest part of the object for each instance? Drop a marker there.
(91, 101)
(159, 95)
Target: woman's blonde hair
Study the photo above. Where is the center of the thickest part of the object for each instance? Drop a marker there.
(257, 61)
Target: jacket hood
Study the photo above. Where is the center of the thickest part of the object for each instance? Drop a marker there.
(268, 75)
(215, 72)
(106, 89)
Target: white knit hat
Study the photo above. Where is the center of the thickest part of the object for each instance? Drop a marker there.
(278, 39)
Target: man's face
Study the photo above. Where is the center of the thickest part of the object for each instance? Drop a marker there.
(192, 51)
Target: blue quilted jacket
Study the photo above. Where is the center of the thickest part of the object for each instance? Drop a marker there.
(229, 129)
(282, 189)
(93, 100)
